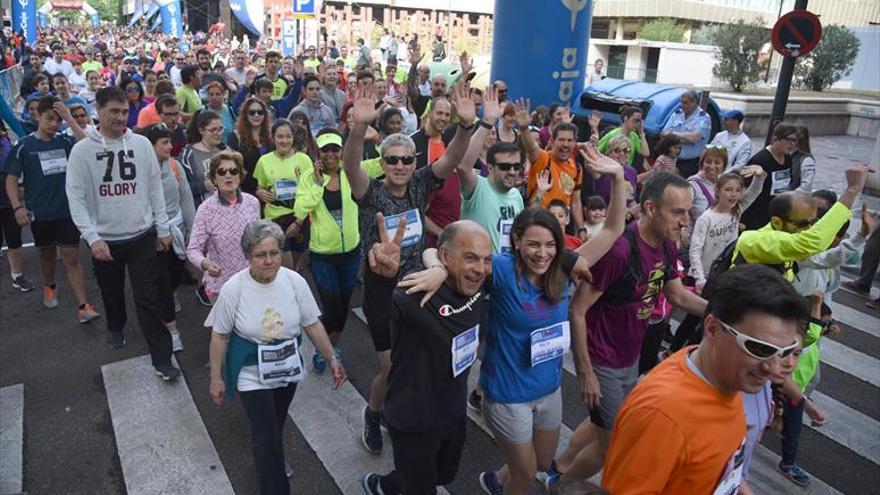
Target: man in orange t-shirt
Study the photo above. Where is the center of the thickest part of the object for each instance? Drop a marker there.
(557, 166)
(682, 429)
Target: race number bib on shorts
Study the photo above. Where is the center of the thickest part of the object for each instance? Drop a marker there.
(413, 232)
(53, 162)
(781, 181)
(505, 227)
(550, 342)
(285, 190)
(464, 350)
(731, 479)
(280, 363)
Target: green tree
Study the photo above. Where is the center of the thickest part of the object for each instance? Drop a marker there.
(740, 44)
(662, 30)
(109, 10)
(705, 35)
(830, 61)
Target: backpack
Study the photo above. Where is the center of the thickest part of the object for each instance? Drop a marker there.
(726, 260)
(622, 290)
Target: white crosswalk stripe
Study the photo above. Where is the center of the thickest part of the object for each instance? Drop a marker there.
(856, 319)
(850, 361)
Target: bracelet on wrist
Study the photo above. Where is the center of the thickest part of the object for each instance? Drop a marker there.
(486, 125)
(17, 208)
(466, 127)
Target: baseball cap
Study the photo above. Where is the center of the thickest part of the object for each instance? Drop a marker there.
(733, 114)
(329, 138)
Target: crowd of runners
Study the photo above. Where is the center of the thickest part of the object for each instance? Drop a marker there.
(477, 226)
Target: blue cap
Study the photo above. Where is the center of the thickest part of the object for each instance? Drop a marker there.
(733, 114)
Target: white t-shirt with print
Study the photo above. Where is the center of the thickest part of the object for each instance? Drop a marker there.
(262, 313)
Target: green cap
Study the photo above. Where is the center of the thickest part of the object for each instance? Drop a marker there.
(329, 138)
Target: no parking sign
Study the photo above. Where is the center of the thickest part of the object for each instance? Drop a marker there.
(796, 33)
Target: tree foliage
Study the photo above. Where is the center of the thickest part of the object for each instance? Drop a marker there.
(740, 44)
(830, 61)
(705, 35)
(662, 30)
(109, 11)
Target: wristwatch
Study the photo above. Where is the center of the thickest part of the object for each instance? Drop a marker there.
(486, 124)
(467, 127)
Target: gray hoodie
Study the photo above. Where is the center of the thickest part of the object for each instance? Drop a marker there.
(114, 188)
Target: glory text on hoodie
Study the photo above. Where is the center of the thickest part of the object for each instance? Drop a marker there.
(114, 188)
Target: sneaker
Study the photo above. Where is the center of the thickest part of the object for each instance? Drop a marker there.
(795, 474)
(23, 284)
(854, 287)
(475, 400)
(551, 476)
(202, 296)
(489, 483)
(168, 372)
(318, 363)
(875, 304)
(50, 299)
(370, 484)
(176, 343)
(116, 340)
(87, 314)
(372, 437)
(288, 469)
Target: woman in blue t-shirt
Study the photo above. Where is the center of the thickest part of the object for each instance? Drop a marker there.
(528, 331)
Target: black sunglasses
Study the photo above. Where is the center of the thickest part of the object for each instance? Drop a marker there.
(255, 113)
(222, 172)
(505, 166)
(333, 148)
(393, 160)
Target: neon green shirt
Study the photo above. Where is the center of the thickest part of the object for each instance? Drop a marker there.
(188, 99)
(281, 177)
(93, 65)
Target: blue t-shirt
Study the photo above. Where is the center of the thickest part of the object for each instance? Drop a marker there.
(43, 167)
(516, 309)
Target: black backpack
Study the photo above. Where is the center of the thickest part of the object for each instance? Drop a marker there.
(621, 291)
(725, 260)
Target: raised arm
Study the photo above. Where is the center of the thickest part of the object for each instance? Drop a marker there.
(613, 227)
(464, 108)
(364, 112)
(466, 173)
(412, 79)
(523, 119)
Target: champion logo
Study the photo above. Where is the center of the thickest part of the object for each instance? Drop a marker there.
(448, 310)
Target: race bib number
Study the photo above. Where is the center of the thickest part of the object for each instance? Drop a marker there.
(413, 232)
(53, 162)
(464, 350)
(781, 181)
(280, 363)
(505, 227)
(550, 342)
(733, 471)
(337, 217)
(285, 190)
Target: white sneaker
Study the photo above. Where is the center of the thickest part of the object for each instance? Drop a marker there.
(176, 343)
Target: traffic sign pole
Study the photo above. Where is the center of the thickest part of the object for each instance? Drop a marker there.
(783, 85)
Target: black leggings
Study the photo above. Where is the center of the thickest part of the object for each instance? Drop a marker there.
(266, 410)
(170, 274)
(424, 460)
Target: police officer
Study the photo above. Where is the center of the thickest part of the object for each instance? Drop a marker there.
(692, 125)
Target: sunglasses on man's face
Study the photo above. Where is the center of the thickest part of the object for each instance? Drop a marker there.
(394, 160)
(222, 172)
(505, 166)
(758, 349)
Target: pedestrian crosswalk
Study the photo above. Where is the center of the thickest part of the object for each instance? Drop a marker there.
(165, 442)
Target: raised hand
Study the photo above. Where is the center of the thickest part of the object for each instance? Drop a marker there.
(595, 119)
(462, 103)
(856, 176)
(567, 116)
(752, 171)
(491, 107)
(465, 63)
(364, 107)
(384, 256)
(415, 55)
(523, 117)
(298, 68)
(544, 182)
(598, 163)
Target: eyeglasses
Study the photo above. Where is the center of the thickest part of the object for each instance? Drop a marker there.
(624, 151)
(505, 166)
(758, 349)
(394, 160)
(256, 113)
(332, 148)
(222, 172)
(803, 224)
(132, 90)
(171, 114)
(790, 140)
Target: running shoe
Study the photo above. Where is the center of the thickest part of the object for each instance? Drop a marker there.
(318, 363)
(795, 474)
(489, 483)
(50, 299)
(370, 484)
(116, 340)
(203, 296)
(168, 372)
(551, 476)
(22, 283)
(475, 400)
(86, 314)
(176, 343)
(372, 437)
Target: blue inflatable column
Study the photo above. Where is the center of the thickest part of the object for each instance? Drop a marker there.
(539, 48)
(172, 21)
(24, 18)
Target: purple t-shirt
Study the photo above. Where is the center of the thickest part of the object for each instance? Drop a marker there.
(615, 332)
(602, 186)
